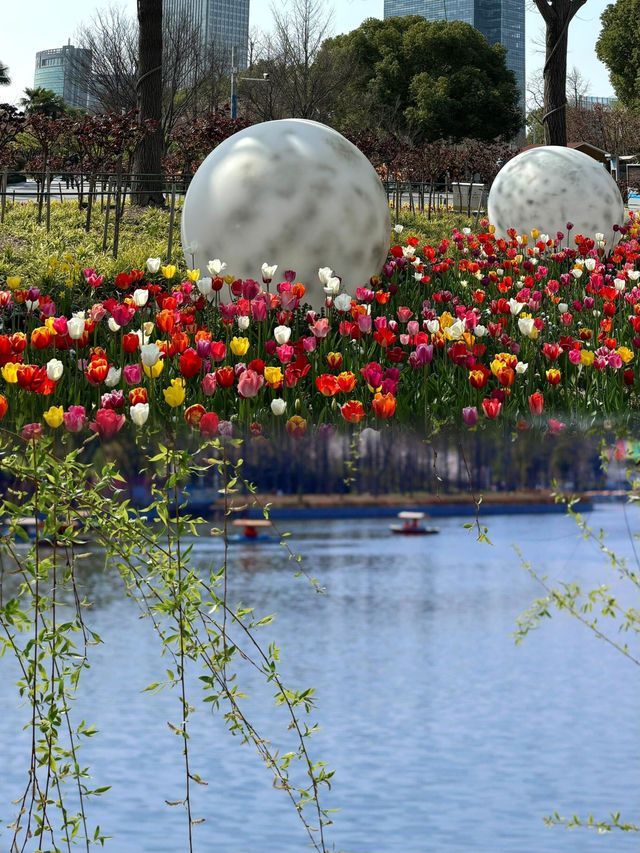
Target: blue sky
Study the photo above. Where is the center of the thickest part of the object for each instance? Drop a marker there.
(41, 24)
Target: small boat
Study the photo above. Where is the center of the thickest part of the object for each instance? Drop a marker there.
(410, 525)
(253, 530)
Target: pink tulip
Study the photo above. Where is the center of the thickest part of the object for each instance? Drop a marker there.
(75, 418)
(133, 374)
(106, 424)
(250, 383)
(320, 327)
(470, 415)
(31, 432)
(285, 353)
(209, 384)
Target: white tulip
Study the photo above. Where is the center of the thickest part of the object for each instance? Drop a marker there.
(216, 266)
(113, 326)
(342, 302)
(398, 228)
(332, 286)
(139, 413)
(282, 334)
(206, 288)
(75, 328)
(113, 377)
(149, 354)
(140, 297)
(268, 272)
(278, 406)
(153, 265)
(619, 284)
(243, 323)
(408, 251)
(577, 272)
(324, 274)
(144, 333)
(55, 369)
(526, 326)
(521, 367)
(480, 331)
(515, 307)
(590, 264)
(634, 275)
(433, 326)
(456, 330)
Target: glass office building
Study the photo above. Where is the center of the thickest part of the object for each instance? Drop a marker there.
(61, 70)
(498, 20)
(222, 23)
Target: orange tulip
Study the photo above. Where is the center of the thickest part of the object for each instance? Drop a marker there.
(353, 411)
(384, 405)
(40, 337)
(296, 426)
(346, 381)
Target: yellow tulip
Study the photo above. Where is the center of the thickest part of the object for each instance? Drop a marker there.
(49, 325)
(174, 395)
(169, 271)
(446, 320)
(273, 375)
(625, 354)
(53, 416)
(586, 357)
(229, 279)
(193, 275)
(239, 346)
(10, 373)
(154, 371)
(13, 282)
(535, 233)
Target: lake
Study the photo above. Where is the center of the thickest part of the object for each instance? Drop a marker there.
(443, 733)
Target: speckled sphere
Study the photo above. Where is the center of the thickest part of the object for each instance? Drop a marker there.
(293, 193)
(547, 187)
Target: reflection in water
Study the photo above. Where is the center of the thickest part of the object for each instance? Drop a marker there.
(444, 735)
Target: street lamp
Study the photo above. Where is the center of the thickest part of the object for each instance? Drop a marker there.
(234, 82)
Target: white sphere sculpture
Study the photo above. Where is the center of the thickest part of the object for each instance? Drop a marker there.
(293, 193)
(547, 187)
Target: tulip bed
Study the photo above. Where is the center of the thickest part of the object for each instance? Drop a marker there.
(534, 329)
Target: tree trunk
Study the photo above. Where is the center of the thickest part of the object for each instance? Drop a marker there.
(555, 83)
(148, 190)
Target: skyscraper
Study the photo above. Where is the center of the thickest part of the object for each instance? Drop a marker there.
(498, 20)
(223, 24)
(57, 70)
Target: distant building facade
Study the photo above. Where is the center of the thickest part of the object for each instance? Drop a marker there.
(58, 70)
(500, 21)
(223, 24)
(589, 102)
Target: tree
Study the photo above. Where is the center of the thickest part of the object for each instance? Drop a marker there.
(618, 47)
(4, 75)
(557, 15)
(577, 88)
(44, 101)
(425, 79)
(148, 160)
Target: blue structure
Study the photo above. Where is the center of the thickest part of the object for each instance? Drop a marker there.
(223, 24)
(500, 21)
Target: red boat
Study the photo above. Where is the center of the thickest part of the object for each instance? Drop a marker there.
(410, 525)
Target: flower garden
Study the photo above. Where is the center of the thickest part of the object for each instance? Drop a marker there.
(536, 330)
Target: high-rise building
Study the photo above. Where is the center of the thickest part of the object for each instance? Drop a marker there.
(223, 24)
(498, 20)
(60, 70)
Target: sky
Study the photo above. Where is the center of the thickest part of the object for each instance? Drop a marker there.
(33, 25)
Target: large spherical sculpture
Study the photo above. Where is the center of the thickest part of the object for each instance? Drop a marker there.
(293, 193)
(547, 187)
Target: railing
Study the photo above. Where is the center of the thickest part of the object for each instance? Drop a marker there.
(109, 190)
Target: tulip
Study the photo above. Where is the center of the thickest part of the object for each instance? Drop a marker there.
(149, 354)
(169, 271)
(243, 323)
(106, 424)
(190, 363)
(491, 407)
(273, 376)
(209, 383)
(268, 272)
(75, 328)
(137, 395)
(194, 413)
(175, 393)
(239, 346)
(278, 406)
(342, 302)
(139, 413)
(140, 297)
(75, 418)
(153, 265)
(4, 405)
(249, 383)
(555, 427)
(112, 400)
(353, 411)
(536, 403)
(31, 432)
(205, 287)
(320, 327)
(209, 424)
(470, 415)
(113, 377)
(296, 426)
(216, 266)
(282, 334)
(55, 369)
(383, 405)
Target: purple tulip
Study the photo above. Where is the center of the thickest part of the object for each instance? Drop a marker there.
(470, 415)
